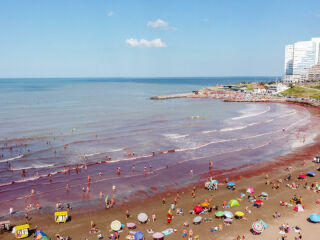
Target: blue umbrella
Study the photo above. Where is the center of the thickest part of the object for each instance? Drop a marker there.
(264, 224)
(228, 214)
(311, 173)
(138, 236)
(231, 184)
(314, 218)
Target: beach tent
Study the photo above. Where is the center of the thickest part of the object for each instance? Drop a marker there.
(22, 231)
(61, 217)
(197, 209)
(41, 235)
(158, 236)
(234, 203)
(311, 174)
(138, 236)
(143, 217)
(314, 218)
(115, 225)
(299, 208)
(228, 214)
(257, 227)
(219, 213)
(250, 190)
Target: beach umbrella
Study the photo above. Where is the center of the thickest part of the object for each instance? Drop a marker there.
(131, 225)
(239, 214)
(142, 217)
(259, 201)
(318, 201)
(198, 209)
(299, 208)
(106, 199)
(158, 236)
(205, 204)
(257, 227)
(197, 219)
(219, 213)
(264, 194)
(302, 176)
(138, 236)
(314, 218)
(231, 184)
(263, 223)
(41, 235)
(250, 190)
(234, 203)
(311, 173)
(228, 214)
(115, 225)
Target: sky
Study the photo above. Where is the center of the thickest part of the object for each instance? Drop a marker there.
(151, 38)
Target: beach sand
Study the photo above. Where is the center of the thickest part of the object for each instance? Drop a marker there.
(79, 226)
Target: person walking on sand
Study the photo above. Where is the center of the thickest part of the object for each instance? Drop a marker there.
(133, 169)
(153, 217)
(118, 171)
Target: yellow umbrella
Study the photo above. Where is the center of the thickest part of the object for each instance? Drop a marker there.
(239, 214)
(205, 204)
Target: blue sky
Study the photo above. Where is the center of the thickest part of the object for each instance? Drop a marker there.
(149, 38)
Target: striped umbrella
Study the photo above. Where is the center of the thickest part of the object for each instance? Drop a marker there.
(257, 227)
(115, 225)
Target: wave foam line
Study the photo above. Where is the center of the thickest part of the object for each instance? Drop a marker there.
(251, 115)
(11, 159)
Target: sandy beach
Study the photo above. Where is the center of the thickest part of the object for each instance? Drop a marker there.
(79, 225)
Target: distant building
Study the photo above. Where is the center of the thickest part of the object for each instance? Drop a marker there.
(299, 57)
(276, 88)
(260, 90)
(313, 74)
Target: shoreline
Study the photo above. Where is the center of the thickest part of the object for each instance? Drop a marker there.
(271, 167)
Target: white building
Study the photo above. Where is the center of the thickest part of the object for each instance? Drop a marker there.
(299, 57)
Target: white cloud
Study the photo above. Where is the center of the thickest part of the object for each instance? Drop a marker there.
(158, 24)
(156, 43)
(110, 13)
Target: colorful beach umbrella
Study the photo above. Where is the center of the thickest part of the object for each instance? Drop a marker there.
(314, 218)
(197, 219)
(219, 213)
(234, 203)
(299, 208)
(142, 217)
(239, 214)
(138, 236)
(205, 204)
(302, 176)
(259, 201)
(257, 227)
(106, 199)
(311, 173)
(250, 190)
(318, 201)
(231, 184)
(115, 225)
(197, 209)
(264, 194)
(228, 214)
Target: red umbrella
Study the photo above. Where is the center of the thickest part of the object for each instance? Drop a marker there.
(302, 176)
(198, 209)
(258, 201)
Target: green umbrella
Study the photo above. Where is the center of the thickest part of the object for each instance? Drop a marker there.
(45, 238)
(219, 214)
(106, 199)
(234, 203)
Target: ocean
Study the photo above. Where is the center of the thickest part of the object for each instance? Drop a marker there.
(60, 131)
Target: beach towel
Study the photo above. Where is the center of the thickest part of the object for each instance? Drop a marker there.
(168, 231)
(94, 231)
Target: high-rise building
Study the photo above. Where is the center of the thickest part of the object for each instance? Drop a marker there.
(299, 57)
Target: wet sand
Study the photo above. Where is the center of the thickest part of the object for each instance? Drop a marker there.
(79, 225)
